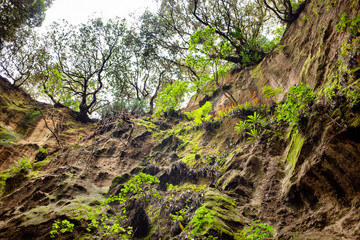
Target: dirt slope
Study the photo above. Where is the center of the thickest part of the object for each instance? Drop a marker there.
(304, 183)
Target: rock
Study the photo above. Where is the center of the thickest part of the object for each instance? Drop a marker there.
(140, 222)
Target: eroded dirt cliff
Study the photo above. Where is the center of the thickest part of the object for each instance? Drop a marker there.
(304, 183)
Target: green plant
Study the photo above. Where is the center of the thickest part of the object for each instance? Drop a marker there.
(179, 217)
(253, 135)
(202, 219)
(201, 114)
(172, 187)
(343, 23)
(42, 150)
(353, 24)
(269, 92)
(62, 226)
(259, 230)
(296, 104)
(255, 119)
(139, 187)
(20, 165)
(170, 97)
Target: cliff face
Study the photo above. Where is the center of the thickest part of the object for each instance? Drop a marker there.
(304, 183)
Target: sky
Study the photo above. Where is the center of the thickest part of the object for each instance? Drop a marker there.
(78, 11)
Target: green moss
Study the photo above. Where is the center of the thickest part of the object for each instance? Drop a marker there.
(193, 187)
(296, 143)
(189, 159)
(6, 136)
(256, 73)
(158, 223)
(30, 118)
(120, 179)
(38, 166)
(150, 126)
(280, 47)
(226, 215)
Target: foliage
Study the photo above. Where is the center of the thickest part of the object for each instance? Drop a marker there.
(150, 65)
(241, 126)
(201, 114)
(20, 14)
(172, 187)
(43, 150)
(203, 218)
(62, 226)
(296, 104)
(179, 217)
(254, 121)
(269, 92)
(206, 51)
(237, 26)
(17, 59)
(80, 60)
(259, 230)
(139, 187)
(253, 135)
(21, 165)
(353, 24)
(170, 97)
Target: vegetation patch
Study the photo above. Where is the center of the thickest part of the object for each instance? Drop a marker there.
(296, 143)
(6, 136)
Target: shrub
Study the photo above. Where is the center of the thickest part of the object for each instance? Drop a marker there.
(20, 165)
(296, 104)
(201, 114)
(63, 226)
(203, 218)
(259, 230)
(170, 97)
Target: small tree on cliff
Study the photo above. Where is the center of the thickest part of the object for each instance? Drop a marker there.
(85, 55)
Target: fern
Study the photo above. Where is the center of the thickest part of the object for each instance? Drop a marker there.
(201, 114)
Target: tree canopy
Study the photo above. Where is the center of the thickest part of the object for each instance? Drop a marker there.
(149, 66)
(18, 13)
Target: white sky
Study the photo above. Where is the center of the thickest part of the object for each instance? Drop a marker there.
(78, 11)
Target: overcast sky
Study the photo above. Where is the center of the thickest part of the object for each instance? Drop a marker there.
(78, 11)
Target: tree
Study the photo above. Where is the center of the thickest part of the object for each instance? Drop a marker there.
(238, 22)
(286, 10)
(83, 58)
(153, 61)
(17, 58)
(18, 13)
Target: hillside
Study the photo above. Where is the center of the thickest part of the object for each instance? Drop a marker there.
(211, 181)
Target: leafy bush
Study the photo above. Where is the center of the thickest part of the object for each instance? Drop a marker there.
(253, 135)
(179, 217)
(201, 114)
(203, 218)
(296, 104)
(255, 121)
(170, 97)
(20, 165)
(139, 187)
(63, 226)
(241, 126)
(259, 230)
(353, 24)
